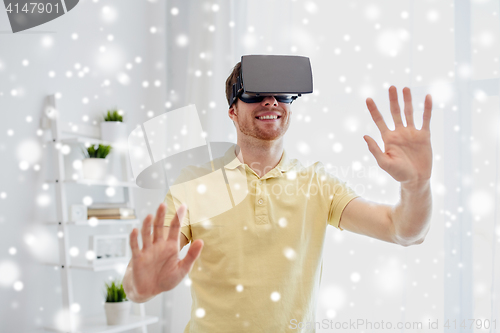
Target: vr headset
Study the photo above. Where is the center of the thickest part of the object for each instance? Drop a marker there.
(282, 76)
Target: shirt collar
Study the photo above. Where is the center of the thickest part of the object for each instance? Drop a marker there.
(232, 162)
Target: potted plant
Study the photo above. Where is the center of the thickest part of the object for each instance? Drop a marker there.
(94, 165)
(117, 306)
(112, 128)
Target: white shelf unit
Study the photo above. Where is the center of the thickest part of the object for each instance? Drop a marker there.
(87, 223)
(91, 324)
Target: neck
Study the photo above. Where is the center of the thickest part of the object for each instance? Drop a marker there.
(260, 155)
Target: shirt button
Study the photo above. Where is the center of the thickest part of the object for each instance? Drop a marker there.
(261, 202)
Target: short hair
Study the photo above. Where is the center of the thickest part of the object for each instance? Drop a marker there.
(233, 78)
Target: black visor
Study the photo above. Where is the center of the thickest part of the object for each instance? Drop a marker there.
(282, 76)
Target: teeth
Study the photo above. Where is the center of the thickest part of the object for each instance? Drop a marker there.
(268, 117)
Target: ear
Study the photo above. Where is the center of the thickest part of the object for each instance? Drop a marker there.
(232, 111)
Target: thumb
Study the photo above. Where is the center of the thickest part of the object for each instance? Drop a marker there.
(374, 148)
(194, 251)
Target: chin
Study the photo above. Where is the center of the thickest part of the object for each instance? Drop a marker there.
(269, 136)
(263, 134)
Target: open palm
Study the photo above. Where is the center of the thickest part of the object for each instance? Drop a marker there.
(157, 267)
(408, 152)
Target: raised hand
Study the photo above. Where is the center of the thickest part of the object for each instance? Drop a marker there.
(156, 267)
(408, 153)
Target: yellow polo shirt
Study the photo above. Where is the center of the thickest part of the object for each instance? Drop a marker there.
(260, 267)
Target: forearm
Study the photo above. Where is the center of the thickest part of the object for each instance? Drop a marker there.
(411, 216)
(129, 287)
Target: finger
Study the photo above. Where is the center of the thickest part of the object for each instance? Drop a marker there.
(194, 252)
(134, 245)
(395, 110)
(175, 225)
(408, 107)
(376, 116)
(158, 223)
(374, 149)
(146, 232)
(427, 112)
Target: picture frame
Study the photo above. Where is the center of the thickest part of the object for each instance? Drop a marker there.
(109, 249)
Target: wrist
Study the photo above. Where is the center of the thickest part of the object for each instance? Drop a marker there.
(416, 185)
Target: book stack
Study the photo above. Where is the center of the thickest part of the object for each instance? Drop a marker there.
(110, 212)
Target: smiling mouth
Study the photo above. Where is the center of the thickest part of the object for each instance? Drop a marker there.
(268, 118)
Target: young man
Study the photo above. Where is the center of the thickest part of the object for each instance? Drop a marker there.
(261, 264)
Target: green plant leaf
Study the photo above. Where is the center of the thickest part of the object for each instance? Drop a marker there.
(91, 152)
(101, 151)
(113, 115)
(115, 292)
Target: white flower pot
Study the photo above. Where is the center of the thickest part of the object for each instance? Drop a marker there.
(117, 313)
(94, 168)
(113, 131)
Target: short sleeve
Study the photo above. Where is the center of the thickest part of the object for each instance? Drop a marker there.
(172, 205)
(340, 195)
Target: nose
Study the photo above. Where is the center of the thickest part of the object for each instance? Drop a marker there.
(269, 100)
